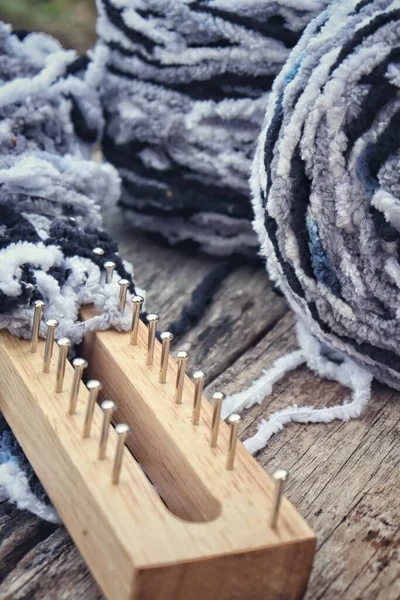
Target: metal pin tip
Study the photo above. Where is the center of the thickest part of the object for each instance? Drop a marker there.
(280, 475)
(63, 344)
(98, 251)
(48, 350)
(108, 405)
(79, 363)
(39, 304)
(123, 289)
(152, 317)
(166, 338)
(199, 375)
(94, 388)
(234, 418)
(137, 302)
(109, 264)
(93, 384)
(52, 323)
(180, 376)
(166, 335)
(218, 398)
(122, 429)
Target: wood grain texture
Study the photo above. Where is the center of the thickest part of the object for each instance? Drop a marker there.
(52, 569)
(19, 532)
(125, 531)
(344, 477)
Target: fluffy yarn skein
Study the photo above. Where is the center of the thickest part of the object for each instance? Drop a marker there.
(50, 189)
(326, 183)
(50, 224)
(185, 90)
(326, 189)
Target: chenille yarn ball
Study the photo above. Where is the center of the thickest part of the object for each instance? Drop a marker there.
(50, 189)
(184, 93)
(326, 183)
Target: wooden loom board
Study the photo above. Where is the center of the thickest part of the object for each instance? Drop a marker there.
(214, 541)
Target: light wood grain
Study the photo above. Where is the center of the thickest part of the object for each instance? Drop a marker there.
(349, 494)
(126, 531)
(54, 569)
(344, 476)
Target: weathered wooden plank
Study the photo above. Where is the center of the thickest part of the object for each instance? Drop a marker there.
(244, 308)
(52, 570)
(344, 476)
(19, 532)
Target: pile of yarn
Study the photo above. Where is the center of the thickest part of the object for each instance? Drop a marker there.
(326, 187)
(50, 189)
(184, 91)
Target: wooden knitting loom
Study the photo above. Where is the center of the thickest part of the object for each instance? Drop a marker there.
(213, 542)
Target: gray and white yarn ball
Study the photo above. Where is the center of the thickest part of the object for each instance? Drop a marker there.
(184, 92)
(326, 183)
(50, 189)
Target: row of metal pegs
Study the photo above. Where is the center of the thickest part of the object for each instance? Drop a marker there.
(280, 476)
(108, 407)
(182, 356)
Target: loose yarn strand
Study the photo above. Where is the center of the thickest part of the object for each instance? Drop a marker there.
(262, 387)
(14, 486)
(347, 373)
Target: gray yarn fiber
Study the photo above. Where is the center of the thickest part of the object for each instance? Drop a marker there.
(50, 189)
(50, 196)
(185, 90)
(326, 182)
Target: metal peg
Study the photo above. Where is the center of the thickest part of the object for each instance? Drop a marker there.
(218, 398)
(280, 477)
(151, 337)
(37, 317)
(166, 339)
(198, 377)
(137, 302)
(123, 290)
(63, 345)
(52, 324)
(98, 251)
(109, 266)
(108, 408)
(94, 388)
(182, 357)
(79, 365)
(233, 421)
(122, 431)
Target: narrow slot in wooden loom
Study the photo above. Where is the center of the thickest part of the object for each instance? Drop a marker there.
(203, 532)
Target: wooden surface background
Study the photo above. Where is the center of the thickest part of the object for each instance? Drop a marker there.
(344, 476)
